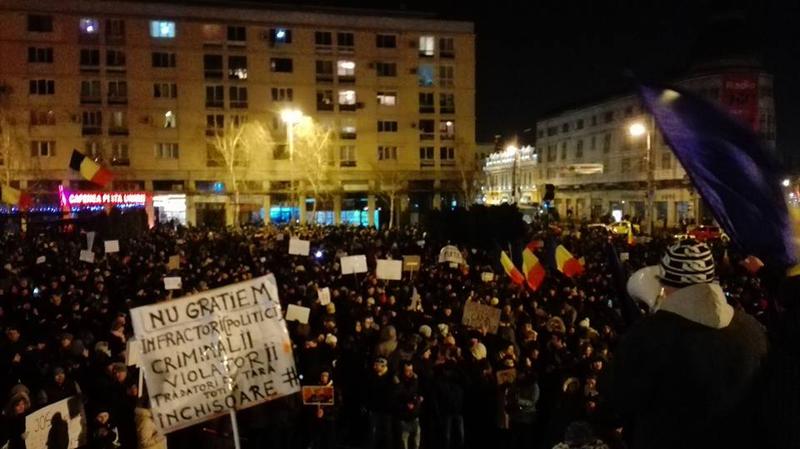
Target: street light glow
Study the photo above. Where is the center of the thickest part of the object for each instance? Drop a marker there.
(786, 182)
(637, 129)
(291, 116)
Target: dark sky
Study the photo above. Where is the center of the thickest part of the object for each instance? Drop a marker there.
(536, 56)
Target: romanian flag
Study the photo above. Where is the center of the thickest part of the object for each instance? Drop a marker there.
(567, 263)
(90, 169)
(534, 271)
(631, 240)
(510, 269)
(10, 195)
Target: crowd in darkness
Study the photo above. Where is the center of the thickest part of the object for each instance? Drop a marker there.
(406, 372)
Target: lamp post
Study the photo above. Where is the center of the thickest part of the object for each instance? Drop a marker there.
(639, 129)
(291, 117)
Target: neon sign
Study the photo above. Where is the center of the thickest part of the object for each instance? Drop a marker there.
(77, 199)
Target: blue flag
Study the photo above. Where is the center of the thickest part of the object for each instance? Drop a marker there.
(735, 175)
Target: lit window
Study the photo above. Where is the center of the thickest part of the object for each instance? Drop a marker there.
(169, 119)
(426, 45)
(346, 68)
(387, 98)
(89, 25)
(163, 29)
(281, 36)
(347, 97)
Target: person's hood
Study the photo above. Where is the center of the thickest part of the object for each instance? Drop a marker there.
(702, 303)
(141, 412)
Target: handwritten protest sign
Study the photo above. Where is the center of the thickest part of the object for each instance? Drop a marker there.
(111, 246)
(174, 262)
(479, 315)
(487, 276)
(389, 269)
(318, 395)
(65, 420)
(354, 264)
(624, 257)
(86, 256)
(451, 254)
(173, 283)
(324, 295)
(412, 263)
(299, 247)
(297, 313)
(220, 350)
(40, 260)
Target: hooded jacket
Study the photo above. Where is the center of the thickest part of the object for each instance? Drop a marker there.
(147, 434)
(684, 376)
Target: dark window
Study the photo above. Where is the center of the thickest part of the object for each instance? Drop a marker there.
(162, 60)
(565, 127)
(237, 34)
(386, 68)
(386, 41)
(282, 65)
(40, 55)
(387, 126)
(212, 66)
(39, 23)
(345, 39)
(579, 124)
(324, 71)
(608, 116)
(323, 38)
(42, 87)
(90, 58)
(237, 68)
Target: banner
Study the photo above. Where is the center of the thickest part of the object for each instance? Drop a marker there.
(477, 315)
(61, 425)
(451, 254)
(739, 96)
(354, 264)
(219, 350)
(389, 269)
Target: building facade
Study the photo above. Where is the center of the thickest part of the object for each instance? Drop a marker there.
(598, 168)
(146, 88)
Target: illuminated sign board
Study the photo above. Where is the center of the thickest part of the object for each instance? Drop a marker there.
(77, 199)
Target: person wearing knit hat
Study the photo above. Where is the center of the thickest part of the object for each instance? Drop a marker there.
(692, 365)
(425, 331)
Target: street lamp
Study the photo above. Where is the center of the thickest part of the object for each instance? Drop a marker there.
(786, 182)
(639, 129)
(291, 117)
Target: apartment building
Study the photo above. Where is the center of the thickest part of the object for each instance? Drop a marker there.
(146, 87)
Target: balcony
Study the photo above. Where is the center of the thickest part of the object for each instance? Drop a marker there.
(427, 163)
(215, 103)
(120, 162)
(91, 99)
(239, 104)
(347, 107)
(90, 68)
(115, 39)
(347, 163)
(448, 163)
(426, 136)
(118, 131)
(115, 68)
(117, 99)
(449, 54)
(343, 79)
(324, 78)
(447, 136)
(213, 74)
(347, 135)
(447, 110)
(426, 109)
(324, 107)
(91, 130)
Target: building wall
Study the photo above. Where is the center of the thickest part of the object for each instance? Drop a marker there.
(194, 40)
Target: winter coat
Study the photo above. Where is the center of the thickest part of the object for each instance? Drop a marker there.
(379, 393)
(685, 376)
(407, 398)
(147, 433)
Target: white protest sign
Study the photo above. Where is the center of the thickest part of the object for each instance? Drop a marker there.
(87, 256)
(451, 254)
(112, 246)
(487, 276)
(65, 420)
(133, 352)
(40, 260)
(624, 256)
(220, 350)
(354, 264)
(324, 295)
(279, 237)
(478, 315)
(299, 247)
(90, 240)
(389, 269)
(173, 283)
(297, 313)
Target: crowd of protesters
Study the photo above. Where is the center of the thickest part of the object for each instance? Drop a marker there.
(407, 374)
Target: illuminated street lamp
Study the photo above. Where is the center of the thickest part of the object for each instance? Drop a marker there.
(786, 182)
(638, 129)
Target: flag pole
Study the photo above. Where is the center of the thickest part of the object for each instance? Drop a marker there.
(235, 428)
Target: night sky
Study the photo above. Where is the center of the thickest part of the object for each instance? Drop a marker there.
(536, 57)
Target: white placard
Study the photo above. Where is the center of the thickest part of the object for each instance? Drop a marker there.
(487, 276)
(279, 237)
(624, 256)
(354, 264)
(90, 239)
(112, 246)
(324, 295)
(133, 352)
(87, 256)
(40, 260)
(67, 414)
(173, 283)
(451, 254)
(390, 269)
(220, 350)
(299, 247)
(297, 313)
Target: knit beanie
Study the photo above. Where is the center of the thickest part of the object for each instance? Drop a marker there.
(686, 263)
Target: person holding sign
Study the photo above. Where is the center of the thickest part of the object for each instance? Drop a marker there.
(322, 418)
(12, 426)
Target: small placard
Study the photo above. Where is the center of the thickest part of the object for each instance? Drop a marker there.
(112, 246)
(173, 283)
(40, 260)
(624, 256)
(389, 269)
(297, 313)
(90, 239)
(318, 395)
(298, 247)
(354, 264)
(279, 237)
(133, 352)
(487, 276)
(412, 263)
(174, 262)
(87, 256)
(324, 295)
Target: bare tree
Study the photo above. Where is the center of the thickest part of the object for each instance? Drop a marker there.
(390, 184)
(233, 147)
(313, 155)
(11, 142)
(470, 175)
